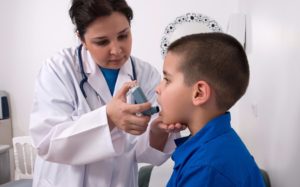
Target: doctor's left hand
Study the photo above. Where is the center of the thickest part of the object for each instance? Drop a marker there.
(158, 125)
(123, 115)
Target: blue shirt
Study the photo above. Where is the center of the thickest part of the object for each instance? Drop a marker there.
(214, 157)
(110, 76)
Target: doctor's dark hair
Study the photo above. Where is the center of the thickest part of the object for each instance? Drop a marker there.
(84, 12)
(216, 58)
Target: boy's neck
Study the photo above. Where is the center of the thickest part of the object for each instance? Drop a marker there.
(200, 118)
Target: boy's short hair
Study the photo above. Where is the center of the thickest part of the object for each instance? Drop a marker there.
(217, 58)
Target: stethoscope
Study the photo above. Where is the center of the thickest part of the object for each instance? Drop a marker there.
(85, 78)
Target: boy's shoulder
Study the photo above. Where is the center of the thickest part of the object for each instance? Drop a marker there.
(225, 148)
(225, 155)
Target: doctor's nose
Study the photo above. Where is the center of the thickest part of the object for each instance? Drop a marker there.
(115, 49)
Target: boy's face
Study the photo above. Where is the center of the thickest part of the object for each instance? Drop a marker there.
(174, 96)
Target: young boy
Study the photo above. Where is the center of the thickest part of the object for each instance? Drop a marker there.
(204, 76)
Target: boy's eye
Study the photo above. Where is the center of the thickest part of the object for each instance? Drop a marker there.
(166, 80)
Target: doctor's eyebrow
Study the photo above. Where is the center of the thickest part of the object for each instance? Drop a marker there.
(124, 30)
(119, 33)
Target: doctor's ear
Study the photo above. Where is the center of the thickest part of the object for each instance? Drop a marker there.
(201, 92)
(80, 40)
(78, 35)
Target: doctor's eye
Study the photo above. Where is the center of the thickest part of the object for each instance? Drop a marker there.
(102, 42)
(123, 37)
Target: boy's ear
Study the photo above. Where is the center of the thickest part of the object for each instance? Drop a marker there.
(201, 92)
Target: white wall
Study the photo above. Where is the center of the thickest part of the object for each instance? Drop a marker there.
(269, 114)
(31, 31)
(151, 18)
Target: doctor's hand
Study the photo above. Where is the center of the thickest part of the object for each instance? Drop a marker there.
(123, 115)
(159, 132)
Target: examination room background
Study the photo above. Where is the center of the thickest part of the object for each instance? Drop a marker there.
(267, 118)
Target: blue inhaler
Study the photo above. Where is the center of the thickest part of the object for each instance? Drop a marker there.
(138, 97)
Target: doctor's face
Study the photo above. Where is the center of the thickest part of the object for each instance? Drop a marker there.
(108, 39)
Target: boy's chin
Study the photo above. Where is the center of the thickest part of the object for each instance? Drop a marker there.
(166, 119)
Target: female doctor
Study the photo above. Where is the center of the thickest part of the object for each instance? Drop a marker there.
(85, 133)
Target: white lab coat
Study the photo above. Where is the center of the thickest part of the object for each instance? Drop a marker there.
(74, 144)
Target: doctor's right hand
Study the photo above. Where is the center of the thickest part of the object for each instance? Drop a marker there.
(123, 115)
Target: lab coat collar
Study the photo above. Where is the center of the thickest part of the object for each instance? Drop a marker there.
(97, 80)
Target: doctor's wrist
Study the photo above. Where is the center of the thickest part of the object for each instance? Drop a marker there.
(109, 120)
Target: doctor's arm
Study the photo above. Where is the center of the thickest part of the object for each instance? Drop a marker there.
(63, 127)
(159, 132)
(158, 136)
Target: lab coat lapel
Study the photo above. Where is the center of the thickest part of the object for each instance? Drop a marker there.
(125, 75)
(96, 79)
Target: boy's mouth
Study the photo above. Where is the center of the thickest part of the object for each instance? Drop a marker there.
(160, 108)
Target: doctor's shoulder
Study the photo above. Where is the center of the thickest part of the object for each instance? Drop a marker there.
(64, 60)
(61, 65)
